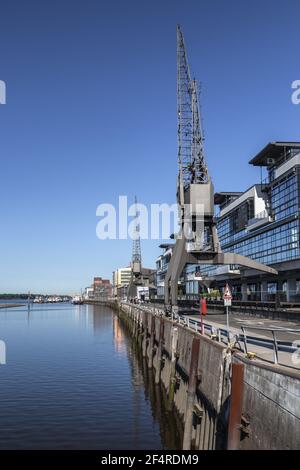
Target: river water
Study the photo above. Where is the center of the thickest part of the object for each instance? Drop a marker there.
(73, 379)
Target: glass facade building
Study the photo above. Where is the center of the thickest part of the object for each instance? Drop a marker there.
(262, 223)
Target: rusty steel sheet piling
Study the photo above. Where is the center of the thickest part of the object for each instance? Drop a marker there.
(145, 334)
(151, 342)
(236, 406)
(174, 342)
(159, 351)
(192, 385)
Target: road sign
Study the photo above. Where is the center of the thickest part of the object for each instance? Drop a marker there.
(227, 293)
(227, 297)
(197, 276)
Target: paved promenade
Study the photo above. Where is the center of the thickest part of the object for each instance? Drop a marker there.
(236, 321)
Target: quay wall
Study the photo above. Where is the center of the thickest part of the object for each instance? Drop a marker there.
(224, 400)
(271, 406)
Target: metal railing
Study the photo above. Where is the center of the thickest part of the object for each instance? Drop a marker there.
(229, 338)
(260, 216)
(272, 343)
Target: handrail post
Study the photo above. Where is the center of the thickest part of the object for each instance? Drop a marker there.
(245, 339)
(275, 348)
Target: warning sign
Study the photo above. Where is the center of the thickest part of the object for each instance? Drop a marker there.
(227, 297)
(227, 293)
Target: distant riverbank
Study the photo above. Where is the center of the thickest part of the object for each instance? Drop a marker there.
(11, 305)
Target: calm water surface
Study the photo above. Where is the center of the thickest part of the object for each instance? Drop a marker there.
(73, 380)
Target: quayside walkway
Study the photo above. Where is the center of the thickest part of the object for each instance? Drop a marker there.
(226, 398)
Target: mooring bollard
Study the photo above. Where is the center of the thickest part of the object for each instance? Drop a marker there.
(187, 436)
(159, 351)
(174, 341)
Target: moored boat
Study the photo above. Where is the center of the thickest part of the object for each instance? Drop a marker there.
(77, 300)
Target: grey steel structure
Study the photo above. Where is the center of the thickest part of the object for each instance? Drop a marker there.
(136, 263)
(197, 241)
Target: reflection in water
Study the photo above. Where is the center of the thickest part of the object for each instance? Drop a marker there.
(119, 338)
(144, 387)
(143, 378)
(74, 379)
(100, 318)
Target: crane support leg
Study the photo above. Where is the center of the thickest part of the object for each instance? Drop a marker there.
(177, 263)
(180, 258)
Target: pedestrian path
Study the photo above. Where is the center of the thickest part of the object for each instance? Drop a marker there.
(255, 351)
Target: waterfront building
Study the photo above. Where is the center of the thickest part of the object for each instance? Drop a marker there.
(121, 280)
(261, 223)
(122, 277)
(162, 263)
(88, 293)
(102, 288)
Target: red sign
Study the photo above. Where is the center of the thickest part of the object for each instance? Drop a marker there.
(203, 306)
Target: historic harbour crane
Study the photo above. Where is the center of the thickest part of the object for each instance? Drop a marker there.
(197, 241)
(136, 262)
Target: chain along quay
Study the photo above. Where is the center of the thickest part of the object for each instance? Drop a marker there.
(223, 399)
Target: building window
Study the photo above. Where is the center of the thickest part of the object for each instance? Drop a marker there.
(284, 286)
(236, 292)
(273, 246)
(253, 292)
(272, 289)
(284, 198)
(284, 291)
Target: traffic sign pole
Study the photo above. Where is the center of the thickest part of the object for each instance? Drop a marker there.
(227, 297)
(227, 322)
(201, 317)
(203, 311)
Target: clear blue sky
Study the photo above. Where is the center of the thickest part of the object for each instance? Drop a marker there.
(91, 114)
